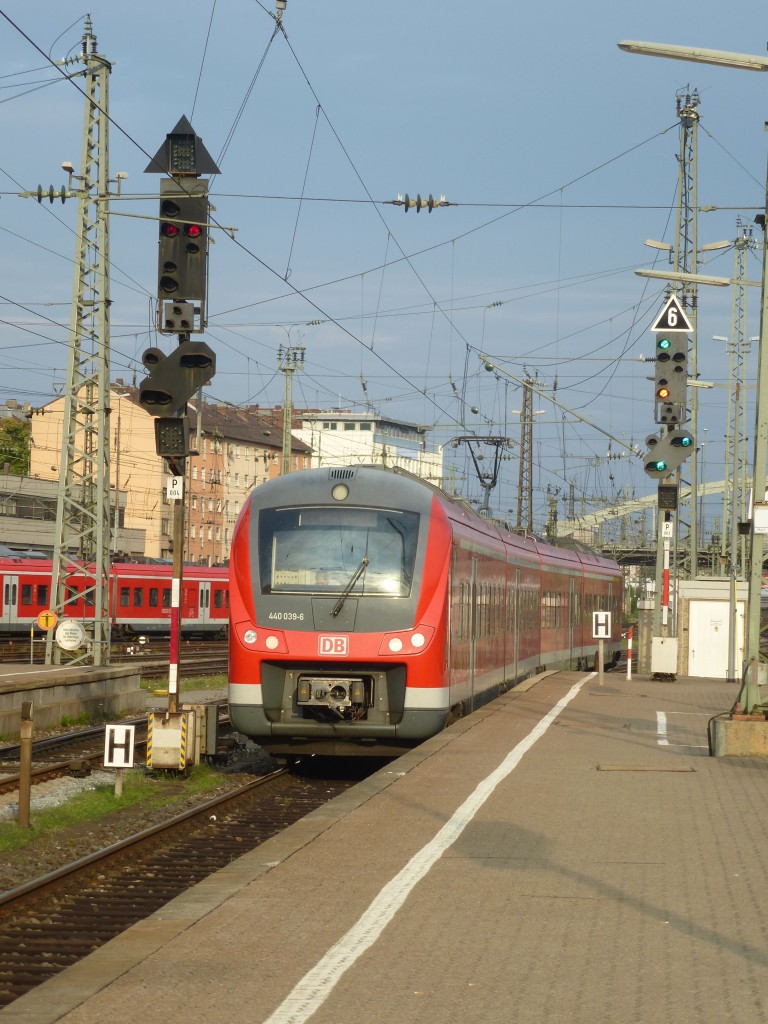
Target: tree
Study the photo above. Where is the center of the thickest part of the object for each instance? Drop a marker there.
(14, 446)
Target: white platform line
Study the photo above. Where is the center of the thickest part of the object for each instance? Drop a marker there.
(314, 988)
(661, 729)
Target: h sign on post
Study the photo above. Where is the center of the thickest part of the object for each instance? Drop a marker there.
(601, 625)
(118, 746)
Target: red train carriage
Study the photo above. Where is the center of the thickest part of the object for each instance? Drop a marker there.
(368, 610)
(139, 597)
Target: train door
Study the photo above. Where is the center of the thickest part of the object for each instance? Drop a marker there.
(204, 603)
(10, 602)
(571, 620)
(472, 633)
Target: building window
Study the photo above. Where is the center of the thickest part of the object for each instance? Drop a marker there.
(350, 426)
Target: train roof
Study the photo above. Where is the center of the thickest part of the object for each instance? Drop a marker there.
(564, 550)
(21, 563)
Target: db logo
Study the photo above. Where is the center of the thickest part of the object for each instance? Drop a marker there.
(338, 645)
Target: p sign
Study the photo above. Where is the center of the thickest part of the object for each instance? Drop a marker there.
(601, 625)
(118, 746)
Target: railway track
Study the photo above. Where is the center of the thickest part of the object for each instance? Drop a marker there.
(74, 753)
(17, 651)
(49, 924)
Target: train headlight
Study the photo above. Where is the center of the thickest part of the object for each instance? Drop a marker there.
(406, 642)
(256, 639)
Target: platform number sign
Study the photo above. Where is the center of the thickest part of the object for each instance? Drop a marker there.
(601, 625)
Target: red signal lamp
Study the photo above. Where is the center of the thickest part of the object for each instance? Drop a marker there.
(169, 230)
(193, 230)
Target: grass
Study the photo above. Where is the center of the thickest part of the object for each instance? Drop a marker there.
(217, 682)
(140, 788)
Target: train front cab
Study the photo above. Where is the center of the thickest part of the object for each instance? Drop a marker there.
(316, 665)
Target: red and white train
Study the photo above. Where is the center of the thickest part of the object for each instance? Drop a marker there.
(139, 597)
(368, 610)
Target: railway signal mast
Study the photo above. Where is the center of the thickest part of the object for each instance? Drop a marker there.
(173, 379)
(667, 451)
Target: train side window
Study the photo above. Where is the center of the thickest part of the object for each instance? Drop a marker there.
(71, 593)
(26, 593)
(166, 597)
(89, 597)
(42, 594)
(138, 597)
(154, 597)
(218, 599)
(125, 597)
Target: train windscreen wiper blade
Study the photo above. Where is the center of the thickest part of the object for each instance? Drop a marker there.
(349, 587)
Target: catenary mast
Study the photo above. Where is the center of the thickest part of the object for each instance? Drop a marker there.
(82, 508)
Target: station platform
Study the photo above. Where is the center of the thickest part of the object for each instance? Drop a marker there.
(569, 853)
(60, 690)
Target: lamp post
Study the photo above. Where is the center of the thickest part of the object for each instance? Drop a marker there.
(750, 694)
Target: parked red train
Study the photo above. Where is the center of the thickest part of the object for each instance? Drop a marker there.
(368, 610)
(139, 599)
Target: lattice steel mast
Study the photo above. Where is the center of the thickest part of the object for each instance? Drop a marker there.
(524, 521)
(82, 509)
(687, 261)
(737, 346)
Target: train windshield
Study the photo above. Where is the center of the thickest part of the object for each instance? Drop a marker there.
(337, 550)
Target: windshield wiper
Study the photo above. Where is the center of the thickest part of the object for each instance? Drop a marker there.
(349, 587)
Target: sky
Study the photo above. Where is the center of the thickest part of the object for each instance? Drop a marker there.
(559, 151)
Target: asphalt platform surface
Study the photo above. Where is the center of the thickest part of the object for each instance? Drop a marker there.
(569, 854)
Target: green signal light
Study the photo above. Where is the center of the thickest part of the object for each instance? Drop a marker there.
(685, 442)
(660, 465)
(664, 343)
